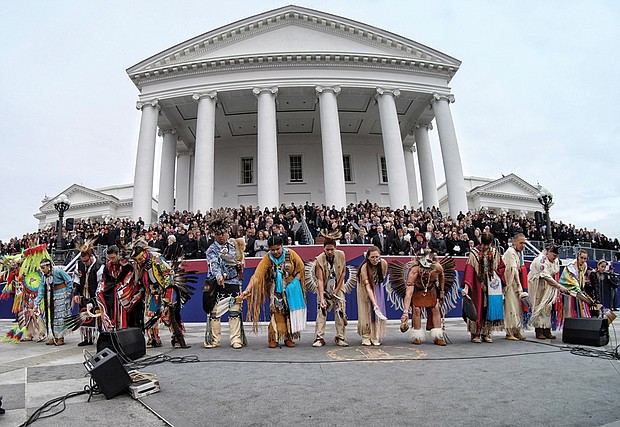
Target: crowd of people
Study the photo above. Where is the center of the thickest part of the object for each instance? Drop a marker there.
(395, 231)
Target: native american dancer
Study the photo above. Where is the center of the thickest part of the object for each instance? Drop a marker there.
(167, 289)
(55, 293)
(577, 303)
(371, 276)
(424, 283)
(325, 276)
(9, 277)
(14, 286)
(279, 278)
(86, 282)
(484, 275)
(224, 279)
(119, 297)
(513, 291)
(543, 290)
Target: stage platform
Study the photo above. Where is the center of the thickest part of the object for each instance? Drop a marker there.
(505, 383)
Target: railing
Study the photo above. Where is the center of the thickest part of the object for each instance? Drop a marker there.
(305, 232)
(65, 256)
(568, 251)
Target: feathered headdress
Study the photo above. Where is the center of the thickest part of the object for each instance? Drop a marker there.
(32, 259)
(87, 246)
(332, 234)
(220, 222)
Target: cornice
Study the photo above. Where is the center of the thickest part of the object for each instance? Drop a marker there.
(76, 206)
(288, 60)
(502, 195)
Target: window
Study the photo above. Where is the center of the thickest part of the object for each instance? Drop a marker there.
(296, 168)
(348, 169)
(383, 171)
(247, 170)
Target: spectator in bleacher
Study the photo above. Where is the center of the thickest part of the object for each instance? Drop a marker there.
(381, 241)
(190, 246)
(400, 245)
(437, 243)
(419, 245)
(260, 244)
(173, 250)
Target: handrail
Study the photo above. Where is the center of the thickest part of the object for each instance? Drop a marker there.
(305, 230)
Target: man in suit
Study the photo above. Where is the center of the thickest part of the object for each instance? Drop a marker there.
(362, 238)
(381, 241)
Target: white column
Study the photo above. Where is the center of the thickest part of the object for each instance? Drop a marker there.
(145, 161)
(428, 183)
(267, 150)
(333, 168)
(184, 159)
(167, 169)
(408, 149)
(393, 148)
(204, 161)
(455, 182)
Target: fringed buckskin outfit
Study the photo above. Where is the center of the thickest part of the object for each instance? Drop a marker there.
(333, 274)
(513, 312)
(543, 292)
(481, 273)
(369, 326)
(282, 281)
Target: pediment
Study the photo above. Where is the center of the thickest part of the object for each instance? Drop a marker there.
(509, 184)
(79, 195)
(293, 30)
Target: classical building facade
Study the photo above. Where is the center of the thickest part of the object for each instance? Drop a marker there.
(115, 201)
(295, 105)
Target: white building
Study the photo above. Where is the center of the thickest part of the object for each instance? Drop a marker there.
(295, 104)
(509, 193)
(86, 203)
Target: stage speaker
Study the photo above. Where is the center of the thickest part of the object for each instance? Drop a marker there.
(538, 217)
(108, 372)
(592, 332)
(128, 343)
(69, 224)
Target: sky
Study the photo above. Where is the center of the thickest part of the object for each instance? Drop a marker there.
(537, 93)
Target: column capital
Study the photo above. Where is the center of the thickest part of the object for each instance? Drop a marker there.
(334, 89)
(185, 153)
(418, 125)
(382, 91)
(212, 94)
(409, 144)
(438, 97)
(162, 132)
(258, 90)
(152, 103)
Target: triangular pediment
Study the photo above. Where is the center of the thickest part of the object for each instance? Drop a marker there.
(293, 30)
(78, 195)
(510, 184)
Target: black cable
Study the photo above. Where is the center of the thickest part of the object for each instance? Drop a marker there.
(51, 404)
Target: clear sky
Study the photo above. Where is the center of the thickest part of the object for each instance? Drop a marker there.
(537, 93)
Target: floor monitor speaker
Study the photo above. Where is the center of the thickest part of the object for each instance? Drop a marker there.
(108, 372)
(127, 343)
(592, 332)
